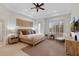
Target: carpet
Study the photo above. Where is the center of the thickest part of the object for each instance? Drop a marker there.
(46, 48)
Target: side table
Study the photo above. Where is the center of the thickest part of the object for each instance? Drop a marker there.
(12, 40)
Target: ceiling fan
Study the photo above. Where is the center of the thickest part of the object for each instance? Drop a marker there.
(38, 6)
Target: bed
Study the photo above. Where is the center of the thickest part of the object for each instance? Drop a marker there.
(32, 38)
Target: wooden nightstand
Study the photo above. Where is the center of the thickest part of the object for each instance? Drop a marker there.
(13, 40)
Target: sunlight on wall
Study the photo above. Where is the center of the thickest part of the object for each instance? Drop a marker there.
(39, 25)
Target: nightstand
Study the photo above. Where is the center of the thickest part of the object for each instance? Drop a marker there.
(13, 39)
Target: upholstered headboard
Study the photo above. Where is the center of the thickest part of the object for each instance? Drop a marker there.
(26, 31)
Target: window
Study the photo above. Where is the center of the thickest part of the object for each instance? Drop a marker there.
(56, 27)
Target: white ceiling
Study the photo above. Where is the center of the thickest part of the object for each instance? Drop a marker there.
(51, 9)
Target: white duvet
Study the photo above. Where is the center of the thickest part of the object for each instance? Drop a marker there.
(32, 36)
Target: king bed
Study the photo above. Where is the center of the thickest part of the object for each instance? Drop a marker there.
(29, 36)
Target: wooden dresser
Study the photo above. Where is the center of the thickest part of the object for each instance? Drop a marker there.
(72, 47)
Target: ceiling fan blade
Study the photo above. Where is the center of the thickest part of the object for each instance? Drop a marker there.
(33, 8)
(35, 4)
(37, 9)
(41, 4)
(42, 8)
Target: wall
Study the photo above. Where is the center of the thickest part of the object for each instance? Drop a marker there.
(46, 26)
(23, 23)
(75, 9)
(8, 20)
(35, 25)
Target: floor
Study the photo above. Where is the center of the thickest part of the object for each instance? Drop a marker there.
(16, 49)
(13, 50)
(1, 44)
(46, 48)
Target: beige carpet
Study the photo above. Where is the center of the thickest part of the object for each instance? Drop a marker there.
(13, 50)
(46, 48)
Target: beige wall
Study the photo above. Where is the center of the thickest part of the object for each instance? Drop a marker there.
(23, 23)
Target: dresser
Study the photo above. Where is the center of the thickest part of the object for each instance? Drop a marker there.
(72, 47)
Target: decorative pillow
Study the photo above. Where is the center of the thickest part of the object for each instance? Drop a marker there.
(23, 32)
(27, 31)
(33, 32)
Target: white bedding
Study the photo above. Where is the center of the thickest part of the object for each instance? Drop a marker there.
(32, 38)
